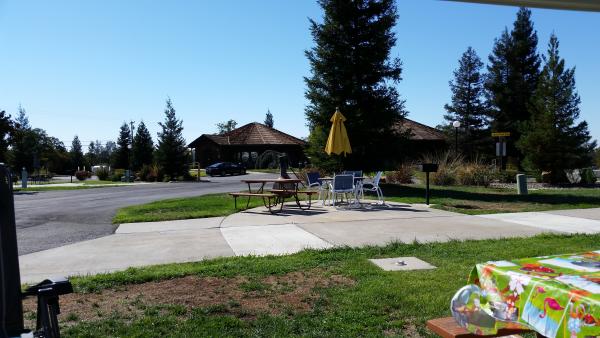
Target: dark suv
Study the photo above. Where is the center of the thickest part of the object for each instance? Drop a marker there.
(225, 168)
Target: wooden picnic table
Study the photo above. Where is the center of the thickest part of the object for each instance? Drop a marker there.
(282, 188)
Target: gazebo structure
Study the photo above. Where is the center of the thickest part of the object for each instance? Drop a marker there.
(423, 139)
(253, 145)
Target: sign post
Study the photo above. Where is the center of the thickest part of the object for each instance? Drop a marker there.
(501, 146)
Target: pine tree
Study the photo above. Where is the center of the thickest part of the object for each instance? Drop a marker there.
(7, 130)
(90, 157)
(468, 105)
(76, 154)
(171, 150)
(352, 69)
(143, 147)
(269, 119)
(513, 72)
(24, 143)
(123, 151)
(553, 140)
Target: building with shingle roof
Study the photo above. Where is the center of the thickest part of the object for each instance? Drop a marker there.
(247, 143)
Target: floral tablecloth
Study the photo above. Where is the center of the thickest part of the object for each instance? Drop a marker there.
(557, 296)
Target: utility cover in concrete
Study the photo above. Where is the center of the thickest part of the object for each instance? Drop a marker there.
(402, 264)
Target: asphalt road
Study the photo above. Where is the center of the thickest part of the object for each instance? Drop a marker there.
(51, 219)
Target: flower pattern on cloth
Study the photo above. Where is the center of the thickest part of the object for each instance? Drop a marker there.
(517, 282)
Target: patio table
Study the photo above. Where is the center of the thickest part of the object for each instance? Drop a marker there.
(556, 296)
(285, 188)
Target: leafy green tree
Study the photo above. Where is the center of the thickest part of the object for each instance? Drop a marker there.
(76, 154)
(7, 130)
(122, 153)
(143, 147)
(171, 150)
(225, 127)
(351, 69)
(553, 140)
(513, 71)
(468, 104)
(269, 119)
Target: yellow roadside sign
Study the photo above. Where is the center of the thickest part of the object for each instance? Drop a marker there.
(501, 134)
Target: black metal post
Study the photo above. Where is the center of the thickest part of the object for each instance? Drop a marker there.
(456, 140)
(11, 307)
(427, 188)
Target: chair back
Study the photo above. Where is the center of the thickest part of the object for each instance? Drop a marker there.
(343, 182)
(377, 178)
(313, 177)
(355, 173)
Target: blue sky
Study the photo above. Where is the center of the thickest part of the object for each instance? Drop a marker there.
(84, 67)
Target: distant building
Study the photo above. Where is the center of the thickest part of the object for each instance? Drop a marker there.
(423, 139)
(253, 144)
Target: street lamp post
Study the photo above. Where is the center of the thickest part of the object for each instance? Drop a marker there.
(456, 125)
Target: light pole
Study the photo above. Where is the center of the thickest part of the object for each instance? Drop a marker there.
(456, 125)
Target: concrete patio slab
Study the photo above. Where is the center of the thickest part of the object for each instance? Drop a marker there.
(329, 214)
(118, 252)
(407, 230)
(184, 224)
(271, 240)
(549, 221)
(593, 213)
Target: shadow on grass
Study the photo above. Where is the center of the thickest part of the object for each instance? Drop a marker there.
(546, 197)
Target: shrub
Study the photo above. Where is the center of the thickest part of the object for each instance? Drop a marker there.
(447, 163)
(402, 175)
(102, 174)
(588, 176)
(82, 175)
(117, 175)
(506, 176)
(473, 174)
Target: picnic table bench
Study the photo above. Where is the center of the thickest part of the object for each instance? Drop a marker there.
(283, 188)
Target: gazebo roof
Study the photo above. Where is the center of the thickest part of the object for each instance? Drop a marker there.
(252, 134)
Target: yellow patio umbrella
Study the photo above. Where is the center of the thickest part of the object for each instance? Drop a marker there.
(338, 141)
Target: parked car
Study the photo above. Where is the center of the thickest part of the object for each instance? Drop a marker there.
(225, 168)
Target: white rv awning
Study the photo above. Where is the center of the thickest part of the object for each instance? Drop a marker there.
(577, 5)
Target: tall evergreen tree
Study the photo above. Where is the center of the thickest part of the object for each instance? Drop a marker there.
(468, 105)
(171, 150)
(7, 130)
(24, 143)
(352, 69)
(122, 153)
(269, 119)
(553, 140)
(91, 157)
(513, 72)
(76, 154)
(143, 147)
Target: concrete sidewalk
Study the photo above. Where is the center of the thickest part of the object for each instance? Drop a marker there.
(256, 232)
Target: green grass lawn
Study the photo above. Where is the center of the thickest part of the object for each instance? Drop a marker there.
(481, 200)
(330, 293)
(87, 184)
(183, 208)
